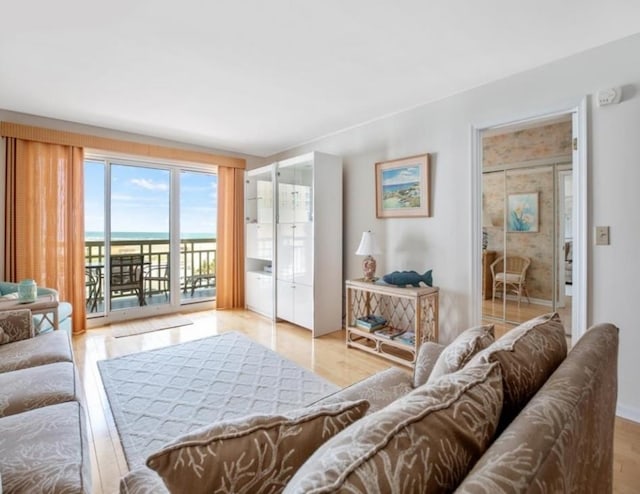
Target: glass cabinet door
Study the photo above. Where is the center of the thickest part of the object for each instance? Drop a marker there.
(295, 193)
(259, 198)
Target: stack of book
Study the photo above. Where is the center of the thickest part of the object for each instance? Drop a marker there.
(390, 333)
(371, 322)
(407, 337)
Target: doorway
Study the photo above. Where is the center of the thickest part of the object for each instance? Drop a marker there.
(150, 238)
(526, 196)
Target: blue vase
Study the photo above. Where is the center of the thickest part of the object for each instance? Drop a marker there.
(27, 291)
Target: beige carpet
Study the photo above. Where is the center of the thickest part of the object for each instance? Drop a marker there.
(158, 395)
(151, 324)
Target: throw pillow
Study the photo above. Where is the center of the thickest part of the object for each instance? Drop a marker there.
(528, 355)
(257, 454)
(427, 357)
(15, 325)
(426, 441)
(460, 351)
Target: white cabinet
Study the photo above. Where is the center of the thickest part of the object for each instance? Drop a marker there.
(294, 228)
(295, 252)
(259, 240)
(295, 303)
(309, 242)
(259, 293)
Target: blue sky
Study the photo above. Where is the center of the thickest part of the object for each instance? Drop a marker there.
(404, 175)
(140, 199)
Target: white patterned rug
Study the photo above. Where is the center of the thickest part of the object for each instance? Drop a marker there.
(158, 395)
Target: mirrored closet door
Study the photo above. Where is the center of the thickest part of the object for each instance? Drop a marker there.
(526, 216)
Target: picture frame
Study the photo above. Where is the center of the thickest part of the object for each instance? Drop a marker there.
(403, 187)
(523, 212)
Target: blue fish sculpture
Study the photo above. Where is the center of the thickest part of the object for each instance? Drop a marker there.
(402, 278)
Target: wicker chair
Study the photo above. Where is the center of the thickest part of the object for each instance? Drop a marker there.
(510, 273)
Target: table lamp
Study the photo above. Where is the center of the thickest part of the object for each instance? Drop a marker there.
(368, 247)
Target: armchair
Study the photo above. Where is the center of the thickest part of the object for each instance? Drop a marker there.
(43, 307)
(510, 273)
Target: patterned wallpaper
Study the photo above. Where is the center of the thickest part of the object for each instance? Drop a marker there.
(532, 144)
(546, 141)
(537, 246)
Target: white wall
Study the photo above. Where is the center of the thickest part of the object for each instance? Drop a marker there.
(442, 242)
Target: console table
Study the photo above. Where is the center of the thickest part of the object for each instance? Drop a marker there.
(405, 308)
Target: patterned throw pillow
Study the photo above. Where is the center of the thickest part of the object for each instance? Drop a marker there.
(426, 441)
(426, 359)
(528, 355)
(461, 350)
(15, 325)
(254, 454)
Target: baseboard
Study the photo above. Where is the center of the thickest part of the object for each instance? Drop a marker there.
(629, 413)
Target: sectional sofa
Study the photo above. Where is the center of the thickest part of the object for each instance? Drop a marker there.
(43, 435)
(516, 415)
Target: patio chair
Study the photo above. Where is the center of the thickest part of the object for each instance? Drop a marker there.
(160, 276)
(510, 273)
(127, 275)
(93, 283)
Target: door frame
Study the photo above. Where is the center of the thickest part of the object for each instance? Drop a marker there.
(579, 315)
(561, 173)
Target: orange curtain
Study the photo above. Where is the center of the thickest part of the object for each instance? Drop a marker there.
(44, 223)
(230, 241)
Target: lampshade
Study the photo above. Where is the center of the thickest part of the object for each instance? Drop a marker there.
(368, 245)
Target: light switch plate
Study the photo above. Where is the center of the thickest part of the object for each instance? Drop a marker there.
(602, 235)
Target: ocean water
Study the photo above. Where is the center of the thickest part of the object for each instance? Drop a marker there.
(396, 187)
(98, 236)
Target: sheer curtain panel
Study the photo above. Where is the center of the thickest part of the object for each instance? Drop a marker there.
(44, 219)
(230, 242)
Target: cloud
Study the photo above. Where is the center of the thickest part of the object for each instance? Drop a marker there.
(405, 175)
(148, 184)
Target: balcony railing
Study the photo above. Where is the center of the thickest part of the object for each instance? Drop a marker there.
(197, 271)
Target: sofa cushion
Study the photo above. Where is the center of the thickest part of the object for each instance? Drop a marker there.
(379, 390)
(257, 454)
(528, 355)
(427, 357)
(142, 481)
(460, 351)
(562, 441)
(425, 441)
(45, 450)
(15, 325)
(39, 350)
(36, 387)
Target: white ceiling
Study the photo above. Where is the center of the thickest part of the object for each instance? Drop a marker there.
(259, 77)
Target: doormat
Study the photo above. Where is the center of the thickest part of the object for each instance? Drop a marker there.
(140, 326)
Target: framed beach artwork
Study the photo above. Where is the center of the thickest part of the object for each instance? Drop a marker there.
(522, 213)
(402, 187)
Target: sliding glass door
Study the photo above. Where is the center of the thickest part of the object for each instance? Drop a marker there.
(150, 232)
(198, 225)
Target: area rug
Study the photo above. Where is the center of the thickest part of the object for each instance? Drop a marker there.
(150, 324)
(156, 396)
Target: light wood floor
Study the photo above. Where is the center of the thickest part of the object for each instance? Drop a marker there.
(326, 356)
(493, 311)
